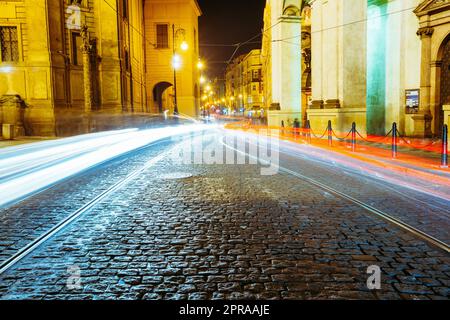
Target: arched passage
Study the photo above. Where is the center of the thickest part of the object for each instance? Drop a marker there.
(158, 91)
(444, 81)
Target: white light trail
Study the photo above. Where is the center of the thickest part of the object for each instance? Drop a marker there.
(27, 170)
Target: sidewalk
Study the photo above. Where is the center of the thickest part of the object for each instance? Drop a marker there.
(414, 162)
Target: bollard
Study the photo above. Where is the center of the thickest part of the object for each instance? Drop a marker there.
(444, 153)
(308, 132)
(282, 128)
(296, 128)
(330, 134)
(394, 140)
(353, 137)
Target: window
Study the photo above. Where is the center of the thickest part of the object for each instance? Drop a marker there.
(77, 54)
(9, 44)
(195, 40)
(127, 60)
(125, 9)
(162, 36)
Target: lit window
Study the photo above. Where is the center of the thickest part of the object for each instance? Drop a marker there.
(162, 36)
(9, 44)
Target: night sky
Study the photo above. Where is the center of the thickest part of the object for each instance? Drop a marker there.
(228, 22)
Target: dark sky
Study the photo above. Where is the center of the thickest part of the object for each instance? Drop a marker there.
(228, 22)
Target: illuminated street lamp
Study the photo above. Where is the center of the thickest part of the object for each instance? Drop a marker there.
(176, 62)
(184, 46)
(200, 65)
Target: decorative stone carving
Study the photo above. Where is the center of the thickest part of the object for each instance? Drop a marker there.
(425, 32)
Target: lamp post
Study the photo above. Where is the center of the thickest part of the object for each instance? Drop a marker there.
(176, 64)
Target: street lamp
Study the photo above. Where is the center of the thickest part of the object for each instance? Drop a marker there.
(176, 62)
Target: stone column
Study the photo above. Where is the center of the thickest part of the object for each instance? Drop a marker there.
(422, 120)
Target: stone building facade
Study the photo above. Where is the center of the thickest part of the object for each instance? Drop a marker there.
(42, 64)
(128, 45)
(244, 87)
(170, 24)
(282, 60)
(376, 62)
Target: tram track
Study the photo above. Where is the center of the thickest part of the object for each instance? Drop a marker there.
(33, 245)
(368, 208)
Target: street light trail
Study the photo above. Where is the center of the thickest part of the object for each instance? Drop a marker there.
(86, 154)
(369, 208)
(421, 181)
(36, 243)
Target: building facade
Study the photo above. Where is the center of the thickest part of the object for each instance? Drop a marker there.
(282, 60)
(171, 28)
(377, 62)
(244, 86)
(42, 74)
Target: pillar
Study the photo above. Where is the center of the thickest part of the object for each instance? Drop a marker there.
(422, 121)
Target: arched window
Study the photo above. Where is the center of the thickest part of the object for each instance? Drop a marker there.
(291, 7)
(291, 11)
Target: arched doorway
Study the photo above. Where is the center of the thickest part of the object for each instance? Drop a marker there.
(158, 92)
(444, 96)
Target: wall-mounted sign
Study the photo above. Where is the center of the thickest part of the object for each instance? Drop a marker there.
(412, 100)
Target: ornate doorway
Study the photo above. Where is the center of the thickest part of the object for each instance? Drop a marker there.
(444, 84)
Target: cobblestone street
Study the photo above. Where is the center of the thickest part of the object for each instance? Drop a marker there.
(217, 231)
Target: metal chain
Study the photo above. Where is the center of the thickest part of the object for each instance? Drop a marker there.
(414, 146)
(342, 139)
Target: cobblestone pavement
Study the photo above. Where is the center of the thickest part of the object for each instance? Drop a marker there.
(224, 232)
(422, 211)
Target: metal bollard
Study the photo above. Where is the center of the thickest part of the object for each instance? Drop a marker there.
(308, 132)
(353, 137)
(330, 134)
(394, 141)
(444, 153)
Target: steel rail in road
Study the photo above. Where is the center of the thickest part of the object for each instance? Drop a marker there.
(385, 216)
(37, 242)
(374, 179)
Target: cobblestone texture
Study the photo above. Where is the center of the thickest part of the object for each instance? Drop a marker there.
(21, 223)
(228, 233)
(423, 211)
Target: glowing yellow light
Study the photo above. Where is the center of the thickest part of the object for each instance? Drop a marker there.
(176, 62)
(184, 46)
(232, 98)
(200, 65)
(208, 88)
(202, 79)
(240, 96)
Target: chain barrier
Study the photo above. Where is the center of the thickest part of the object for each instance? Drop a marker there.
(315, 136)
(416, 146)
(380, 140)
(342, 139)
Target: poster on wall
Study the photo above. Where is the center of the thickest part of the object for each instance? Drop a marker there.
(412, 101)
